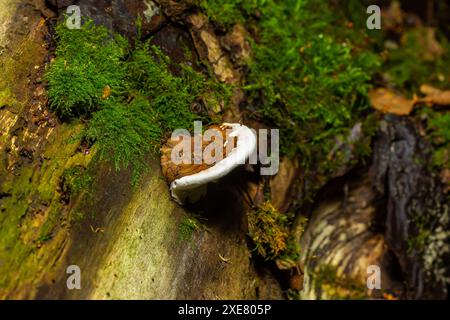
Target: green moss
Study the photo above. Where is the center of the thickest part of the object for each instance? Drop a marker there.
(419, 240)
(34, 206)
(77, 215)
(88, 61)
(61, 154)
(170, 96)
(268, 228)
(55, 212)
(439, 125)
(312, 84)
(75, 180)
(6, 98)
(438, 137)
(124, 134)
(226, 12)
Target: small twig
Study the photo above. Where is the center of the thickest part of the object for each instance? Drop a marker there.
(224, 259)
(97, 230)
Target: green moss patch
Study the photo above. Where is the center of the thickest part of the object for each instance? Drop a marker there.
(88, 61)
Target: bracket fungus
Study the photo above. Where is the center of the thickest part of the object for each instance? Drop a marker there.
(190, 163)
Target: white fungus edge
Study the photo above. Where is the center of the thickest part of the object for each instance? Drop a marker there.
(194, 186)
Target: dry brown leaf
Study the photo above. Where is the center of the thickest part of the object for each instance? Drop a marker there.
(435, 96)
(386, 101)
(106, 92)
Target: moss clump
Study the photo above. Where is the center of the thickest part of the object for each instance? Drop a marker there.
(127, 93)
(88, 61)
(268, 228)
(312, 84)
(75, 180)
(124, 133)
(170, 96)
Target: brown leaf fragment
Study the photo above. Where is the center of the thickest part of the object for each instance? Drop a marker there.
(435, 96)
(106, 92)
(387, 101)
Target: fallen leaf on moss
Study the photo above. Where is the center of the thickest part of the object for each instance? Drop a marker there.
(106, 92)
(435, 96)
(387, 101)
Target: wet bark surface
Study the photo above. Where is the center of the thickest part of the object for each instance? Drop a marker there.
(370, 216)
(401, 176)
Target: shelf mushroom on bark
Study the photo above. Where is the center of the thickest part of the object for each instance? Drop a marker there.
(188, 180)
